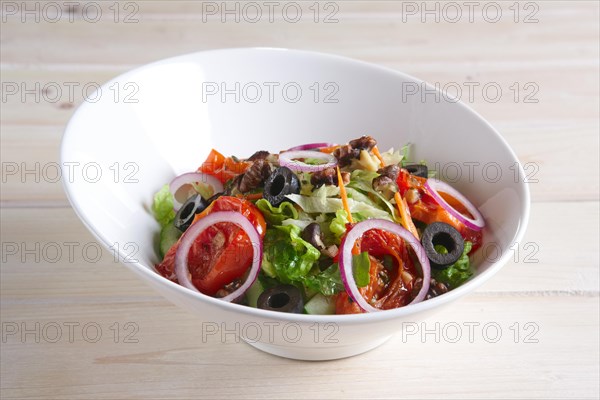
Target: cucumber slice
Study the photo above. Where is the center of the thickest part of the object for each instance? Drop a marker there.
(253, 292)
(168, 236)
(320, 305)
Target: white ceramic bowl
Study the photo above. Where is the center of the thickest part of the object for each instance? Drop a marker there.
(162, 119)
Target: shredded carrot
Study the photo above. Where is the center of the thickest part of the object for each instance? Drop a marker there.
(344, 195)
(329, 150)
(407, 221)
(378, 155)
(356, 248)
(203, 213)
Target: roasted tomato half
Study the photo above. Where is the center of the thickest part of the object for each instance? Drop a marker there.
(424, 208)
(222, 253)
(392, 273)
(223, 168)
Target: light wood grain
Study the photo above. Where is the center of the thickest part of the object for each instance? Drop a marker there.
(558, 295)
(170, 360)
(173, 32)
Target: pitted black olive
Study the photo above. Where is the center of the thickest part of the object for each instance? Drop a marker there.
(417, 170)
(312, 234)
(185, 216)
(283, 298)
(442, 234)
(214, 197)
(280, 183)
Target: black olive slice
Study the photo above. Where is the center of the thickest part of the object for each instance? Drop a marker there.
(185, 216)
(280, 183)
(283, 298)
(440, 233)
(417, 170)
(313, 235)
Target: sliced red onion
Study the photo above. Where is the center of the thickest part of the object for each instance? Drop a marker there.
(311, 146)
(288, 159)
(190, 235)
(346, 259)
(435, 186)
(192, 177)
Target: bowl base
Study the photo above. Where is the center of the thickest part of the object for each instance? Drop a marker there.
(316, 353)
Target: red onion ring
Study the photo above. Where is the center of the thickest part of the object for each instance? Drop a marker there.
(192, 177)
(434, 186)
(286, 159)
(346, 259)
(311, 146)
(190, 235)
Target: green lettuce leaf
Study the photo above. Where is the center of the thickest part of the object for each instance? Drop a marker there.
(312, 204)
(162, 207)
(300, 223)
(363, 181)
(457, 273)
(394, 156)
(327, 282)
(286, 256)
(338, 224)
(276, 215)
(360, 268)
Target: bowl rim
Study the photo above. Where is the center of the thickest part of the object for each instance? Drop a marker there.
(341, 319)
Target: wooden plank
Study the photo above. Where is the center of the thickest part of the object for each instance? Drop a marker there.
(538, 347)
(546, 262)
(379, 36)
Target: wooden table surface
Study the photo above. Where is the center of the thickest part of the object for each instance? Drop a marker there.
(76, 324)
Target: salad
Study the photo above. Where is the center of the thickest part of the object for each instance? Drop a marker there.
(319, 229)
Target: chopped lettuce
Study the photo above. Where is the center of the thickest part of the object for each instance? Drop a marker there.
(405, 154)
(363, 181)
(276, 215)
(300, 223)
(326, 191)
(314, 161)
(162, 207)
(361, 265)
(360, 197)
(394, 156)
(328, 282)
(312, 204)
(457, 273)
(290, 259)
(286, 256)
(338, 224)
